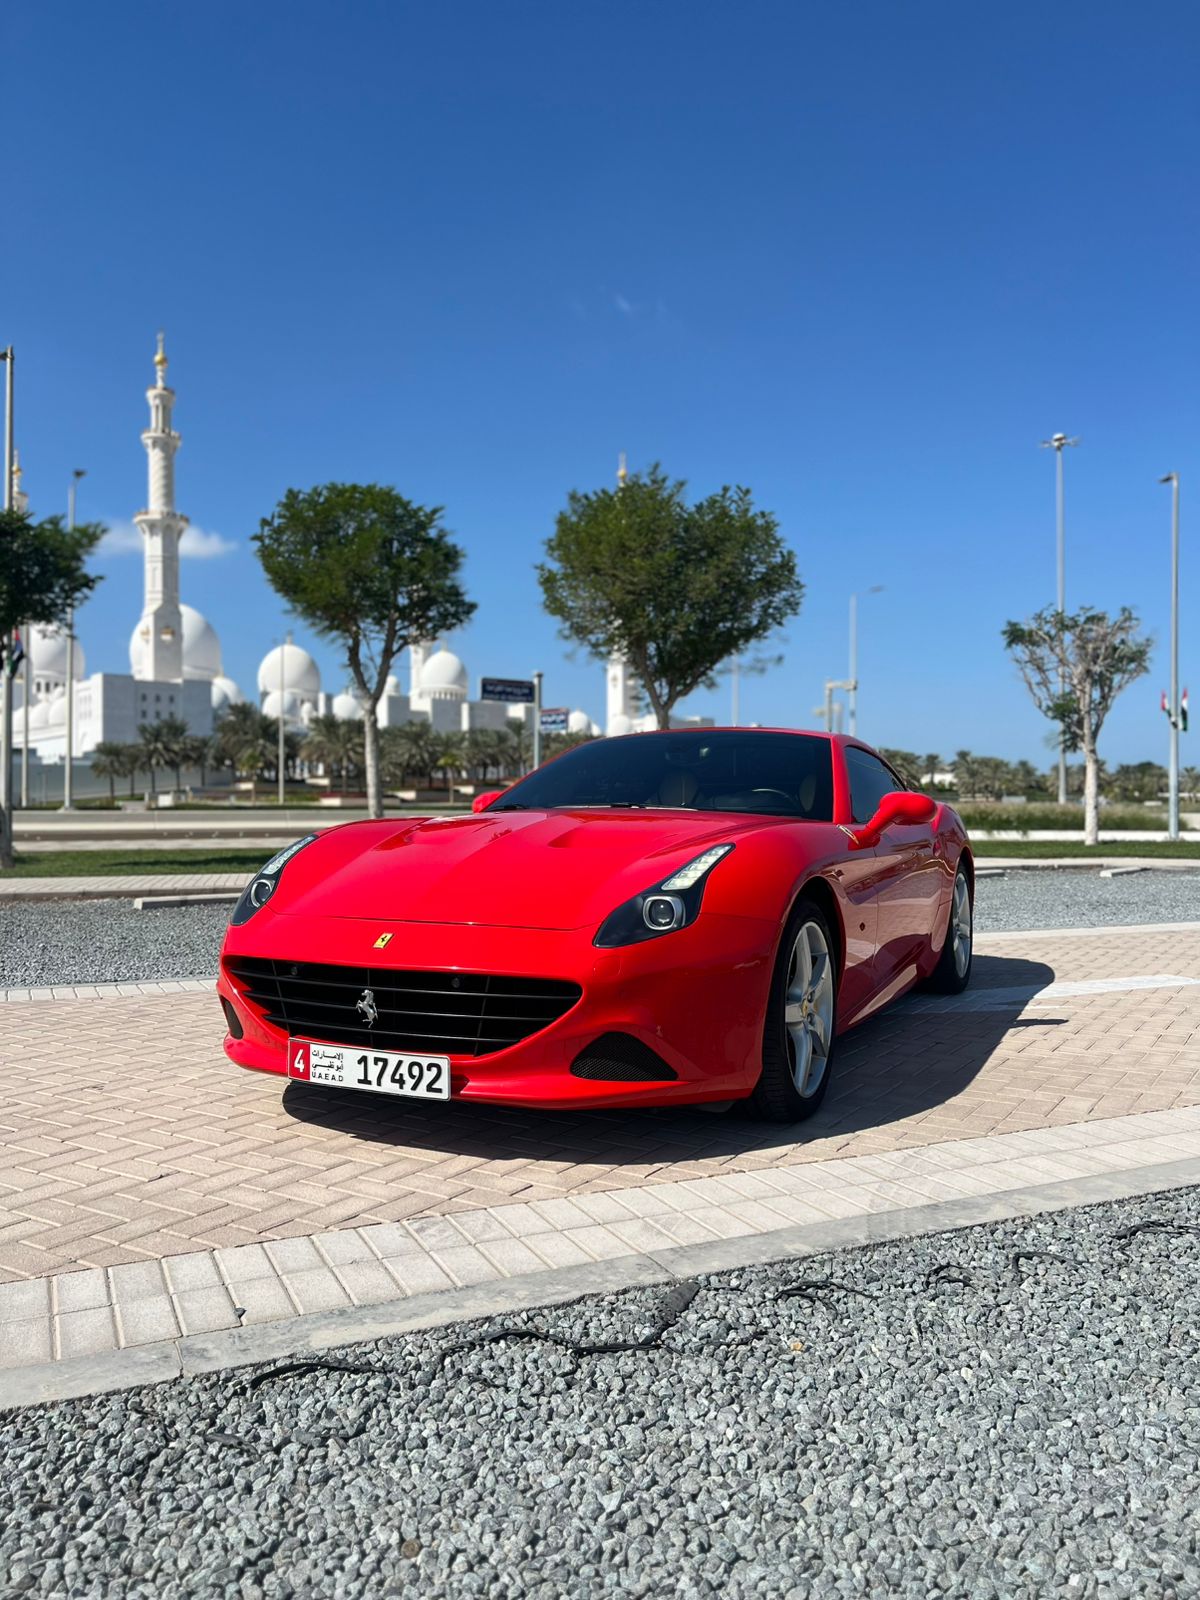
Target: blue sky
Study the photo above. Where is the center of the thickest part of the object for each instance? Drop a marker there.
(860, 259)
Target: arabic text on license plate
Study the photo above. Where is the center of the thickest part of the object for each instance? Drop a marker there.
(381, 1071)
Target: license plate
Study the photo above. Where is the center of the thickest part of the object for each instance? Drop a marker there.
(380, 1071)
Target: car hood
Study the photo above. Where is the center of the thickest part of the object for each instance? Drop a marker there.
(536, 869)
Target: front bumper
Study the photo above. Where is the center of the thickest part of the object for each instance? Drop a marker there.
(697, 998)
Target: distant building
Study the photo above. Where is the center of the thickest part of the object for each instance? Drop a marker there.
(174, 653)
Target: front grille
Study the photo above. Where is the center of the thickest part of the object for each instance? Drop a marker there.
(444, 1013)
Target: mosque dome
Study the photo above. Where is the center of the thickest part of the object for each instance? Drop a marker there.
(444, 676)
(347, 707)
(579, 722)
(301, 675)
(292, 705)
(620, 724)
(201, 647)
(225, 693)
(48, 653)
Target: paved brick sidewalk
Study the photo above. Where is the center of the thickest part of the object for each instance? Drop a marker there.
(126, 1136)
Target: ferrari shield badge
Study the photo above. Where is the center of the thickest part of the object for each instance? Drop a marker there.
(384, 938)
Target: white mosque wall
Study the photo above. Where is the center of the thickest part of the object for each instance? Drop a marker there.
(110, 706)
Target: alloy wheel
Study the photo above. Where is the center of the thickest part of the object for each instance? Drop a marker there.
(808, 1009)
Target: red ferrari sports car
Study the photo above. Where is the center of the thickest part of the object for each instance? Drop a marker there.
(693, 915)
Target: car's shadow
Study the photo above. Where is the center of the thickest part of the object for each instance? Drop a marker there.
(920, 1053)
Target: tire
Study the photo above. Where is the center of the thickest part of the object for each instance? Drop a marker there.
(953, 971)
(799, 1036)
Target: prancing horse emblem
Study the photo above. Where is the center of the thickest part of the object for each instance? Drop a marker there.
(367, 1009)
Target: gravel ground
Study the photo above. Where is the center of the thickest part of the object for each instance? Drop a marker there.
(108, 941)
(1075, 899)
(937, 1417)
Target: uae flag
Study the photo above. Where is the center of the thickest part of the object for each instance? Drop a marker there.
(1183, 713)
(17, 654)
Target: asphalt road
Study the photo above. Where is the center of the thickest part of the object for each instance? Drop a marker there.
(1005, 1411)
(108, 941)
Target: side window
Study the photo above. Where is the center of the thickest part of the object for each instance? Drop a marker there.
(870, 780)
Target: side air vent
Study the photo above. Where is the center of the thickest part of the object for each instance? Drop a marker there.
(232, 1021)
(619, 1058)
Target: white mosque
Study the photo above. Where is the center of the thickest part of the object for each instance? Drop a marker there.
(175, 660)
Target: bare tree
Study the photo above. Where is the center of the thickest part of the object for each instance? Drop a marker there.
(1075, 664)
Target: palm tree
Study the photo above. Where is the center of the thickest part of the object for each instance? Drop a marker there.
(448, 758)
(176, 741)
(336, 744)
(248, 741)
(156, 749)
(108, 761)
(131, 764)
(964, 774)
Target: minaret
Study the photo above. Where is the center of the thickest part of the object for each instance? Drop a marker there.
(161, 628)
(621, 696)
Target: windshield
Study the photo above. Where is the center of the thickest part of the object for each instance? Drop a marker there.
(772, 774)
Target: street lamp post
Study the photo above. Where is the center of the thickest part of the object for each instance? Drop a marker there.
(1173, 703)
(68, 772)
(281, 753)
(537, 716)
(852, 684)
(1058, 442)
(6, 730)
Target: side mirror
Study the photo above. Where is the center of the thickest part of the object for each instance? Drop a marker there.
(901, 808)
(482, 801)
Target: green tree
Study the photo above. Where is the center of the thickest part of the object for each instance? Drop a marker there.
(906, 763)
(372, 570)
(131, 765)
(678, 589)
(407, 752)
(248, 741)
(157, 747)
(335, 744)
(177, 742)
(1136, 782)
(964, 766)
(1074, 666)
(42, 576)
(108, 761)
(449, 758)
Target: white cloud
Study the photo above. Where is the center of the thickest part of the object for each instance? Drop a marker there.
(624, 306)
(197, 544)
(121, 539)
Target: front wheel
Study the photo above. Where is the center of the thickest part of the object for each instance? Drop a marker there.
(798, 1040)
(953, 971)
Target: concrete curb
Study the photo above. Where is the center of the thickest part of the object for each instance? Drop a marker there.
(165, 902)
(198, 1354)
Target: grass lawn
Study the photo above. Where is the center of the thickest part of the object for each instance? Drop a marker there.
(120, 863)
(1049, 849)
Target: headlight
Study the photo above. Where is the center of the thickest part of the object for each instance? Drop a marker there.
(264, 882)
(664, 907)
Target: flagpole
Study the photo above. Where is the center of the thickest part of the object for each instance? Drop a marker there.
(1173, 704)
